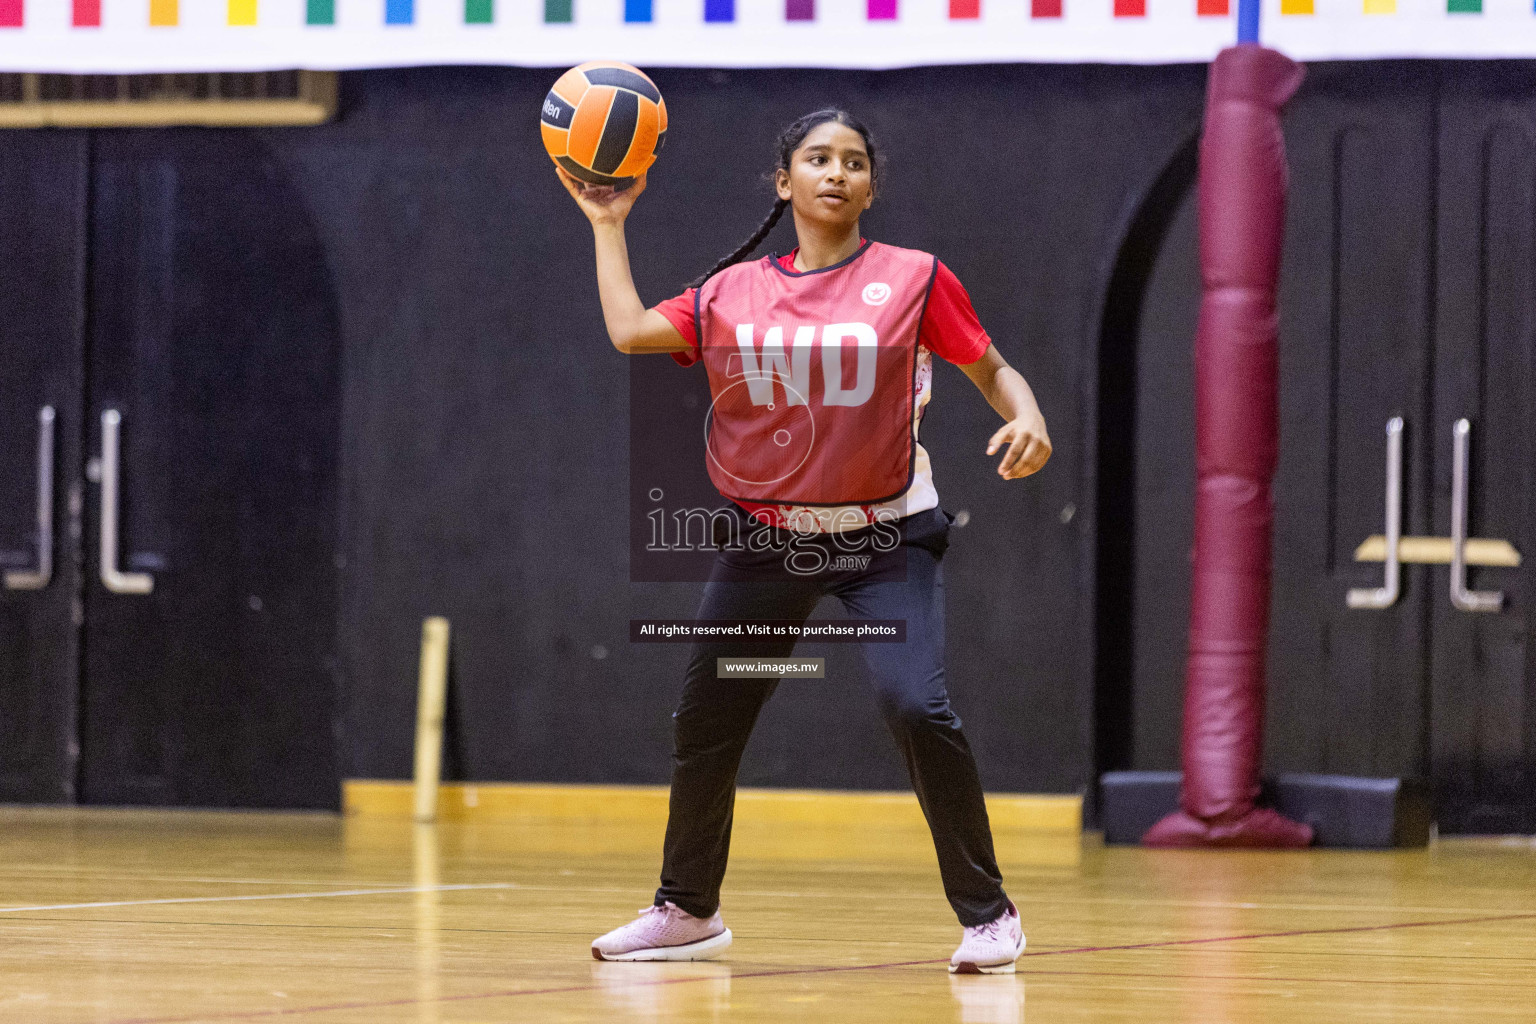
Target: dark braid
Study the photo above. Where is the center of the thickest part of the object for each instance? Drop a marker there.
(779, 206)
(789, 141)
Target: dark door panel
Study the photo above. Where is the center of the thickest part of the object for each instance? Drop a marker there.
(1164, 485)
(42, 248)
(1347, 685)
(1484, 712)
(214, 344)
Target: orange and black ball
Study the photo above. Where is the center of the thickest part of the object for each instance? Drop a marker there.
(604, 122)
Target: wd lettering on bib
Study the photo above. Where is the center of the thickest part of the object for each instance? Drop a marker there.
(769, 373)
(812, 383)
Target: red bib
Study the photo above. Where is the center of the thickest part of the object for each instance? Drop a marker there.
(813, 377)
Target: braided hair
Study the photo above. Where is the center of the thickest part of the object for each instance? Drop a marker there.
(789, 141)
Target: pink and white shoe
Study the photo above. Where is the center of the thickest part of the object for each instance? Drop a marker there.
(665, 933)
(990, 948)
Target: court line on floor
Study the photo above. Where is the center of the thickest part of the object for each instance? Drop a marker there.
(7, 875)
(791, 971)
(1262, 977)
(1115, 901)
(1109, 901)
(259, 896)
(1350, 929)
(110, 874)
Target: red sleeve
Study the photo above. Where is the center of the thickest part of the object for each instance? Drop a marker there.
(679, 313)
(950, 328)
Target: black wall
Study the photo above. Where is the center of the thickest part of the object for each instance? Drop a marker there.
(486, 416)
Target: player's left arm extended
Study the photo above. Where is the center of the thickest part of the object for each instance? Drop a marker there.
(1023, 435)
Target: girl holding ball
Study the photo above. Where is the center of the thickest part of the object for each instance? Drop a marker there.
(820, 366)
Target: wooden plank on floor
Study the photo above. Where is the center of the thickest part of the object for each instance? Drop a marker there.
(465, 800)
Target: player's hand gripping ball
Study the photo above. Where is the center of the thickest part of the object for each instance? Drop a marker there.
(604, 122)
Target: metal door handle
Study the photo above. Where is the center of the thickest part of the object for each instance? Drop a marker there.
(22, 579)
(1386, 595)
(1461, 598)
(115, 581)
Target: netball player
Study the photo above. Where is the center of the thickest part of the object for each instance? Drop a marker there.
(755, 325)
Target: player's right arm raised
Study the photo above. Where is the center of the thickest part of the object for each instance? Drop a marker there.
(631, 327)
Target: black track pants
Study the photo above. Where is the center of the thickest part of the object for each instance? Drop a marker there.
(715, 716)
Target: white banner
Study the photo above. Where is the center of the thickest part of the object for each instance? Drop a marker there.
(117, 36)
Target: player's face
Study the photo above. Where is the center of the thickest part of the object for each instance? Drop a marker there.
(829, 178)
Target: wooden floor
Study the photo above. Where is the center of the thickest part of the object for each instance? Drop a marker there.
(111, 917)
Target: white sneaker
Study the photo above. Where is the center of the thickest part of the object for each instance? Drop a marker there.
(664, 933)
(990, 948)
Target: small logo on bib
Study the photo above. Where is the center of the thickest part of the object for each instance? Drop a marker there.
(876, 293)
